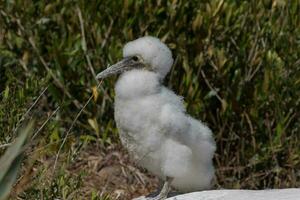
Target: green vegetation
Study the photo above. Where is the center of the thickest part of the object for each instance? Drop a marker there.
(237, 63)
(10, 162)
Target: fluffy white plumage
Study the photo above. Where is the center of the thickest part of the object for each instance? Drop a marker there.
(153, 123)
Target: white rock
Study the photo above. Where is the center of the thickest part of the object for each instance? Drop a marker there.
(272, 194)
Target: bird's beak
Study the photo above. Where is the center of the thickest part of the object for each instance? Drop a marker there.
(117, 68)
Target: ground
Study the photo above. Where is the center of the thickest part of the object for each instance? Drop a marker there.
(112, 173)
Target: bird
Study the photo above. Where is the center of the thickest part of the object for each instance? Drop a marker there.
(153, 123)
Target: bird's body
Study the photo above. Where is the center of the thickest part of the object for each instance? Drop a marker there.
(158, 134)
(153, 123)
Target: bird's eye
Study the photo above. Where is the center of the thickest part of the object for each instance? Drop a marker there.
(135, 58)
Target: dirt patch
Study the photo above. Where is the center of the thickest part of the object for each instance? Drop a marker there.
(110, 172)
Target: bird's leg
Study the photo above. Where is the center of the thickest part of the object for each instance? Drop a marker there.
(163, 194)
(164, 191)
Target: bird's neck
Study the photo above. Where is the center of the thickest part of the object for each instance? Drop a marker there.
(137, 83)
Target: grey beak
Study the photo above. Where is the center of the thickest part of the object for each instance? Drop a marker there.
(117, 68)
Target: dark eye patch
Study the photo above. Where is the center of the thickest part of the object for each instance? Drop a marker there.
(135, 58)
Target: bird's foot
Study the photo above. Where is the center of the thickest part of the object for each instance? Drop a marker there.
(163, 193)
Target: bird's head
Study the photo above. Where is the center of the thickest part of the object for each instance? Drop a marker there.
(147, 53)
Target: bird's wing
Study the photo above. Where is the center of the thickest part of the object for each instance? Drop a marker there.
(172, 118)
(173, 122)
(177, 125)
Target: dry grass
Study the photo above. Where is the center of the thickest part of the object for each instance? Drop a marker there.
(112, 173)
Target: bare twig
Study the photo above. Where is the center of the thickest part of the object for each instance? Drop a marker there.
(211, 62)
(251, 129)
(35, 134)
(210, 87)
(234, 44)
(52, 114)
(28, 110)
(252, 50)
(5, 145)
(84, 47)
(220, 5)
(253, 72)
(72, 125)
(107, 33)
(84, 44)
(45, 146)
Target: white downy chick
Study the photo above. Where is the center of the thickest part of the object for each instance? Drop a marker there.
(152, 121)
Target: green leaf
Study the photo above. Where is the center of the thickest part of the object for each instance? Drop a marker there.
(10, 162)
